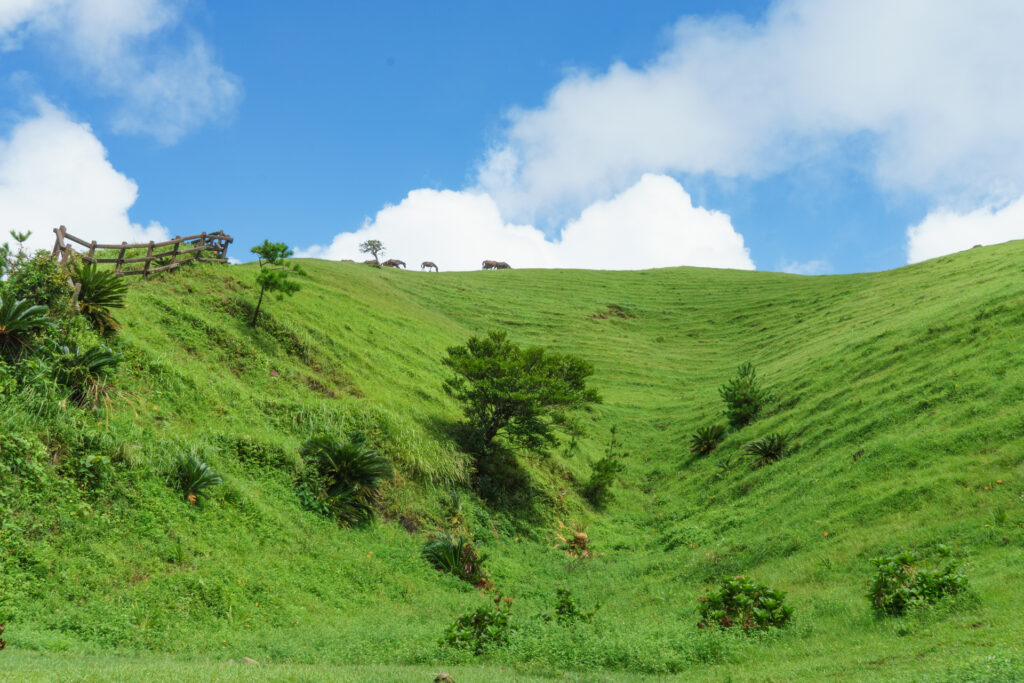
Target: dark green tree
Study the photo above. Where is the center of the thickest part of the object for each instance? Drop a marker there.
(372, 247)
(274, 272)
(524, 394)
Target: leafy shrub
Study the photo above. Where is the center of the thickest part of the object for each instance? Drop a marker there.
(345, 477)
(486, 628)
(194, 477)
(598, 490)
(901, 583)
(457, 556)
(99, 292)
(744, 396)
(18, 320)
(524, 394)
(746, 604)
(42, 280)
(83, 371)
(567, 613)
(706, 439)
(768, 449)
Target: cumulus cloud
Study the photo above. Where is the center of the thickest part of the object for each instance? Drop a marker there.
(932, 90)
(651, 224)
(165, 90)
(945, 231)
(54, 171)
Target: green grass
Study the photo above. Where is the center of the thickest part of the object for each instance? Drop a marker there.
(902, 392)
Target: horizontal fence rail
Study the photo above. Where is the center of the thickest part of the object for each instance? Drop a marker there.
(205, 247)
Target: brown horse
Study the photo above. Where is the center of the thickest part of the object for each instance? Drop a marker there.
(489, 265)
(393, 263)
(372, 262)
(429, 265)
(501, 265)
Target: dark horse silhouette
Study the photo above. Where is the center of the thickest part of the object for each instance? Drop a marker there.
(429, 265)
(495, 265)
(394, 263)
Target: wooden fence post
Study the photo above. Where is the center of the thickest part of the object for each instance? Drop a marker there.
(149, 259)
(120, 258)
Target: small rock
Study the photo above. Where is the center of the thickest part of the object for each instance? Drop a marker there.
(444, 677)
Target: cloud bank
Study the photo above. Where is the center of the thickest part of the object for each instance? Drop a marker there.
(165, 90)
(649, 225)
(54, 170)
(946, 231)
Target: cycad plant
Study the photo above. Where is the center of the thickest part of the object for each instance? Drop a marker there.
(706, 439)
(18, 319)
(351, 473)
(457, 556)
(82, 371)
(194, 477)
(768, 449)
(99, 292)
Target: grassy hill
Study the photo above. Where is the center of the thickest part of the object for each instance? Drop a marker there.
(903, 391)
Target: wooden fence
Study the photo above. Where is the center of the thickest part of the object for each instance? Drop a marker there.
(215, 243)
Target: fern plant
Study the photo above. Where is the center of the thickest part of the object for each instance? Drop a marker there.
(768, 449)
(99, 292)
(348, 474)
(18, 320)
(457, 556)
(195, 477)
(82, 371)
(706, 439)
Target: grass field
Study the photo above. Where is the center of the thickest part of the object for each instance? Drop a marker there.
(903, 391)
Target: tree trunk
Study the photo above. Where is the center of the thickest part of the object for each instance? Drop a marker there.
(258, 304)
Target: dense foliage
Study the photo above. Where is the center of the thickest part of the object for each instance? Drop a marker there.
(744, 397)
(343, 476)
(598, 489)
(742, 602)
(706, 439)
(524, 394)
(485, 628)
(99, 291)
(457, 556)
(901, 583)
(768, 449)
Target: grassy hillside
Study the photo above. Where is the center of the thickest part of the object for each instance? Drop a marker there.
(903, 391)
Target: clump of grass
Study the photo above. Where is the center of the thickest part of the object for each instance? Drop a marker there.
(768, 449)
(195, 478)
(456, 556)
(345, 478)
(706, 439)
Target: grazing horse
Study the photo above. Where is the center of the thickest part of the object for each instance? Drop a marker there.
(501, 265)
(429, 265)
(372, 262)
(489, 265)
(393, 263)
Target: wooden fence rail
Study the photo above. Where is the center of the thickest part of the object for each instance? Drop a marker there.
(215, 243)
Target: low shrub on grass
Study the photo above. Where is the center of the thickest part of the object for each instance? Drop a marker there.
(744, 397)
(768, 449)
(598, 490)
(743, 603)
(20, 319)
(457, 556)
(706, 439)
(484, 629)
(342, 478)
(567, 612)
(901, 583)
(83, 372)
(194, 477)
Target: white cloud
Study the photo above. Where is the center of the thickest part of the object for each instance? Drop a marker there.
(651, 224)
(814, 267)
(945, 231)
(123, 46)
(933, 89)
(54, 171)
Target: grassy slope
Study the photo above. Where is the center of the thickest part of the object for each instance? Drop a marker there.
(919, 368)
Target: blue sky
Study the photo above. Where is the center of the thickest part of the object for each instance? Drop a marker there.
(815, 137)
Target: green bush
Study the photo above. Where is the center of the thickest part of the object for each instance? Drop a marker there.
(567, 613)
(486, 628)
(706, 439)
(598, 490)
(901, 583)
(746, 604)
(194, 477)
(83, 371)
(99, 292)
(457, 556)
(342, 478)
(744, 397)
(19, 320)
(42, 280)
(768, 449)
